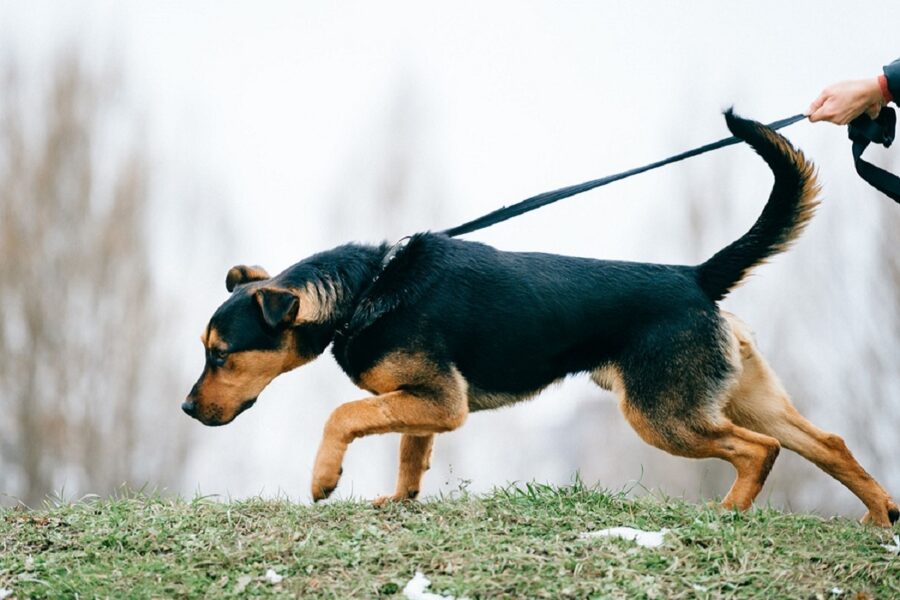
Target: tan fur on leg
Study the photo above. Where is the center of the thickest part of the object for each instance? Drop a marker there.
(399, 411)
(751, 454)
(415, 459)
(760, 403)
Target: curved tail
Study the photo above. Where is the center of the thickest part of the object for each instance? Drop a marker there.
(790, 207)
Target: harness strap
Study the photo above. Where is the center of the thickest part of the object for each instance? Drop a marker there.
(864, 130)
(343, 328)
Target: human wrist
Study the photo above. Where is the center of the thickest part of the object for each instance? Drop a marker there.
(885, 89)
(892, 75)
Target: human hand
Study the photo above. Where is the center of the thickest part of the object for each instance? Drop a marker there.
(842, 102)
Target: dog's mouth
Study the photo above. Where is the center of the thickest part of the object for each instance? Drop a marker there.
(244, 406)
(216, 423)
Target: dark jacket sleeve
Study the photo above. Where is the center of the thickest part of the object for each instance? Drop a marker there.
(892, 74)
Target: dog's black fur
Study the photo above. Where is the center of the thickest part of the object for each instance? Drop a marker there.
(498, 326)
(512, 323)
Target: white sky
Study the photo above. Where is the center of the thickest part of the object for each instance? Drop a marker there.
(257, 107)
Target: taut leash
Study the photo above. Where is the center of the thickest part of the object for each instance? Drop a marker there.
(863, 131)
(535, 202)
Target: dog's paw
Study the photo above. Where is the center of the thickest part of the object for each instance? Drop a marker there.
(883, 517)
(407, 497)
(321, 492)
(324, 483)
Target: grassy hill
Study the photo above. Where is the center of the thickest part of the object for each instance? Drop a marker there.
(517, 543)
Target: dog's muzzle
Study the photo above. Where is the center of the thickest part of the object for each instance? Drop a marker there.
(189, 407)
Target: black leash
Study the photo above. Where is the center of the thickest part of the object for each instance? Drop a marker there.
(535, 202)
(863, 131)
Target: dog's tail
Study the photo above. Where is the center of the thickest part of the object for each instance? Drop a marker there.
(790, 207)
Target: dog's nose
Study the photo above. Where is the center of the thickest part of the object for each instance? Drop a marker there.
(189, 407)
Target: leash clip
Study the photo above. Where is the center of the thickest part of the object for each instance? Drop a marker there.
(392, 254)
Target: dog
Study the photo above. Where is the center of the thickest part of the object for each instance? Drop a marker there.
(436, 328)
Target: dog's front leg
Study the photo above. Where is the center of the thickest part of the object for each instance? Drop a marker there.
(401, 411)
(415, 459)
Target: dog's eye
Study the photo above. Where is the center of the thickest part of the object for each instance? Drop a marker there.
(218, 356)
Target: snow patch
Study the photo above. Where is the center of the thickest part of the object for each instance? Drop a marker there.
(893, 548)
(647, 539)
(415, 589)
(272, 577)
(242, 582)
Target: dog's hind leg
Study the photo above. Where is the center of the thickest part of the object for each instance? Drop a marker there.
(671, 388)
(752, 454)
(415, 459)
(759, 402)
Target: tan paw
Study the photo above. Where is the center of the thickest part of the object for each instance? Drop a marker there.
(408, 497)
(324, 482)
(883, 517)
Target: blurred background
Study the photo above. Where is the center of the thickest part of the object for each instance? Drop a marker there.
(145, 147)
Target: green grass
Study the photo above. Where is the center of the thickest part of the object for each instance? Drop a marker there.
(520, 542)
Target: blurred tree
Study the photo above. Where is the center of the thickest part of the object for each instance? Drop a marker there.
(82, 371)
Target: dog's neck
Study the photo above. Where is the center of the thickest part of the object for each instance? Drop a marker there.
(332, 282)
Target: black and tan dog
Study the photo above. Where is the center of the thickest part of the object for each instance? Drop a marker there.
(443, 327)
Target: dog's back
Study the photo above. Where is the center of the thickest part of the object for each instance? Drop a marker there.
(513, 323)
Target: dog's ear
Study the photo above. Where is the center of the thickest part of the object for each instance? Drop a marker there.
(240, 274)
(279, 307)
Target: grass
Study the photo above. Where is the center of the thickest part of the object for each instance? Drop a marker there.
(517, 543)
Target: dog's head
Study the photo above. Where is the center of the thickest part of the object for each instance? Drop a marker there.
(260, 332)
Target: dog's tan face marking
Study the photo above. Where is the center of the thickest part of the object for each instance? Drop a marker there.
(210, 340)
(264, 329)
(231, 381)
